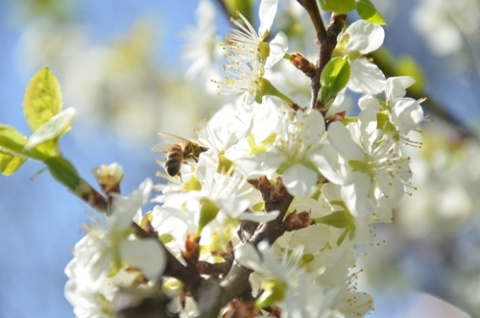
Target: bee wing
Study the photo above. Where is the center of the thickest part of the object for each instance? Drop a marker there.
(168, 141)
(172, 139)
(160, 147)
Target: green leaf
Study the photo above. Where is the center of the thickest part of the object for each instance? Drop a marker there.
(12, 155)
(367, 11)
(338, 6)
(64, 172)
(334, 78)
(12, 141)
(52, 130)
(10, 163)
(43, 99)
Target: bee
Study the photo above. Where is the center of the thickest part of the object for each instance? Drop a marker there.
(176, 154)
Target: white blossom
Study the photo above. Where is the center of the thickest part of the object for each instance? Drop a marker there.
(405, 113)
(361, 38)
(376, 173)
(102, 253)
(293, 153)
(249, 55)
(203, 44)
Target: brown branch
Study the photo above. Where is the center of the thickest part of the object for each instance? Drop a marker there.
(276, 197)
(216, 269)
(313, 11)
(327, 45)
(210, 295)
(326, 39)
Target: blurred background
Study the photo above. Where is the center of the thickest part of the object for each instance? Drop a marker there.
(126, 67)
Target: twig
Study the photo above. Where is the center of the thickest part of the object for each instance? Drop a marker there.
(276, 197)
(326, 39)
(312, 9)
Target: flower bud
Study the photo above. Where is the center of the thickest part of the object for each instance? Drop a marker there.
(109, 177)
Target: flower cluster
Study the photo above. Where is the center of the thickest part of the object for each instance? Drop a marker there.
(285, 191)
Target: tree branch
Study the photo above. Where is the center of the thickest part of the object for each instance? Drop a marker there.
(326, 39)
(276, 197)
(314, 12)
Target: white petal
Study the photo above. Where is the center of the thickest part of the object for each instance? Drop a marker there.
(364, 37)
(54, 127)
(340, 138)
(299, 180)
(246, 255)
(278, 48)
(314, 129)
(340, 103)
(368, 128)
(266, 13)
(406, 114)
(365, 77)
(356, 194)
(145, 255)
(259, 217)
(395, 86)
(125, 208)
(369, 101)
(330, 164)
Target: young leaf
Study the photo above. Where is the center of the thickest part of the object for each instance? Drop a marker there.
(51, 130)
(43, 99)
(64, 172)
(12, 155)
(12, 141)
(338, 6)
(367, 11)
(10, 163)
(334, 78)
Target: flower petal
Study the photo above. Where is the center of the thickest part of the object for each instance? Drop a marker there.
(340, 138)
(145, 255)
(259, 217)
(365, 77)
(278, 48)
(364, 37)
(266, 13)
(299, 180)
(246, 255)
(369, 101)
(395, 86)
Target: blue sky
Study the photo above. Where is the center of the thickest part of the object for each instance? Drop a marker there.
(41, 221)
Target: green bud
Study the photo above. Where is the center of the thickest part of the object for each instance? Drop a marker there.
(208, 212)
(273, 291)
(267, 88)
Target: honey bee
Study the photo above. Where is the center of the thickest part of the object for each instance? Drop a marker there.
(176, 154)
